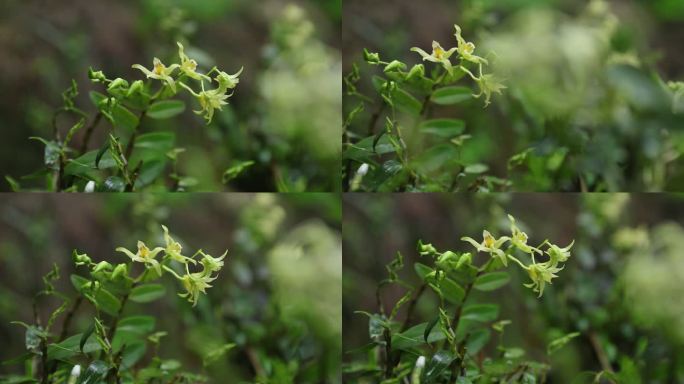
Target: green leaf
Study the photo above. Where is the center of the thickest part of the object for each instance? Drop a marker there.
(34, 335)
(132, 353)
(95, 374)
(78, 282)
(215, 354)
(476, 168)
(414, 337)
(480, 312)
(235, 170)
(51, 154)
(71, 347)
(429, 327)
(139, 325)
(123, 118)
(166, 109)
(97, 98)
(439, 362)
(451, 95)
(422, 270)
(446, 128)
(406, 102)
(106, 301)
(451, 291)
(436, 157)
(113, 184)
(85, 336)
(477, 340)
(560, 342)
(492, 281)
(147, 292)
(159, 142)
(363, 150)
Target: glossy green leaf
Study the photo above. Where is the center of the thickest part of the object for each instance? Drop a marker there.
(446, 128)
(96, 373)
(492, 281)
(124, 118)
(414, 337)
(406, 102)
(451, 95)
(71, 347)
(451, 291)
(235, 170)
(480, 312)
(422, 270)
(166, 109)
(476, 168)
(147, 292)
(434, 368)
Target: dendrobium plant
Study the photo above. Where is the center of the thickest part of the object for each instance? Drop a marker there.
(454, 342)
(123, 163)
(541, 273)
(208, 100)
(116, 346)
(193, 282)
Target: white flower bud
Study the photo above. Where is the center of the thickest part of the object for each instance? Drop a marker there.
(89, 188)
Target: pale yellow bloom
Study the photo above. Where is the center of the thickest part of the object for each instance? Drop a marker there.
(438, 55)
(160, 72)
(189, 66)
(144, 255)
(491, 245)
(173, 248)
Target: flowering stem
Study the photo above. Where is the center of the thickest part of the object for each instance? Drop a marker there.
(458, 362)
(134, 136)
(89, 132)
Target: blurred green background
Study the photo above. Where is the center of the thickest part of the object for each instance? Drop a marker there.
(278, 296)
(621, 288)
(284, 114)
(585, 85)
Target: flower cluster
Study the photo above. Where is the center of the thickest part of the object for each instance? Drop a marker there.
(209, 100)
(540, 273)
(193, 282)
(488, 83)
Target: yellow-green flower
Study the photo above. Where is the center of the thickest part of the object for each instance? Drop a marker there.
(541, 273)
(519, 238)
(194, 283)
(189, 66)
(466, 49)
(227, 81)
(212, 264)
(558, 254)
(490, 244)
(439, 55)
(489, 84)
(144, 255)
(173, 248)
(160, 72)
(209, 101)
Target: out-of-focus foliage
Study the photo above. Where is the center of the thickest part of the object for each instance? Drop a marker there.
(245, 328)
(592, 101)
(262, 141)
(619, 290)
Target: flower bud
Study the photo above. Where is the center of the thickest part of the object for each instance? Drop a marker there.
(417, 71)
(81, 259)
(102, 266)
(371, 58)
(120, 270)
(426, 249)
(394, 66)
(96, 76)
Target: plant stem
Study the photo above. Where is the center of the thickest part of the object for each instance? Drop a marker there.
(600, 352)
(457, 364)
(412, 307)
(89, 132)
(69, 317)
(134, 137)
